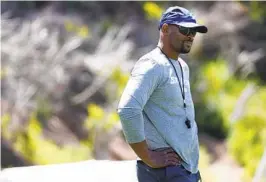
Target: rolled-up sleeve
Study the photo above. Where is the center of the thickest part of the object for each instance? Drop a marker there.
(145, 77)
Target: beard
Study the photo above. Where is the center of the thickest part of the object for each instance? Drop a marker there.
(184, 48)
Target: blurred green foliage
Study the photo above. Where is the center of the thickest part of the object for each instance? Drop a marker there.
(211, 106)
(5, 121)
(248, 137)
(31, 144)
(80, 30)
(152, 10)
(118, 80)
(219, 92)
(257, 10)
(101, 119)
(215, 93)
(44, 109)
(38, 150)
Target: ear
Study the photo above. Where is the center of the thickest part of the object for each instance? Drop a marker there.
(165, 29)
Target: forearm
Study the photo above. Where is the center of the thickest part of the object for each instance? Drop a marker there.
(141, 149)
(133, 129)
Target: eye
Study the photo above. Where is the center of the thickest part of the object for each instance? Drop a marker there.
(183, 30)
(192, 32)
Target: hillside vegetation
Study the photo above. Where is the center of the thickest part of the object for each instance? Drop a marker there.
(65, 64)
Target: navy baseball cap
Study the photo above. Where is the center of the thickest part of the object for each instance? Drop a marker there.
(177, 15)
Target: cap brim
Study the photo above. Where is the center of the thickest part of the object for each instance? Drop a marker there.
(198, 28)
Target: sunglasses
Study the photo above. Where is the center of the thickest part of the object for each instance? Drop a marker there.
(187, 31)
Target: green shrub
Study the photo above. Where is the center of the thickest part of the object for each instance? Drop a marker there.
(38, 150)
(209, 107)
(248, 137)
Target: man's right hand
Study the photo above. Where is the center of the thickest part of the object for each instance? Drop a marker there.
(156, 159)
(163, 158)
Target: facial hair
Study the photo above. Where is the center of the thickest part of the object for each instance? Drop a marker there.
(183, 48)
(180, 47)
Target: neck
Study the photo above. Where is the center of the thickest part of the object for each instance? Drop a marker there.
(168, 51)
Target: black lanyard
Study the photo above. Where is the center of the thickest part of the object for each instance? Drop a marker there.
(187, 122)
(182, 89)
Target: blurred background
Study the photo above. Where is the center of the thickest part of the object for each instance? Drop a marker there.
(64, 66)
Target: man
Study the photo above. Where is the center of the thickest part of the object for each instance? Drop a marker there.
(156, 108)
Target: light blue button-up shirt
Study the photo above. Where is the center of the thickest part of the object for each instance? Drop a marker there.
(153, 89)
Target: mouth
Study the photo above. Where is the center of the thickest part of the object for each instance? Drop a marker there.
(189, 43)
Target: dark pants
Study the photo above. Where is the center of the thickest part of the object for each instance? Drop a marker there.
(166, 174)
